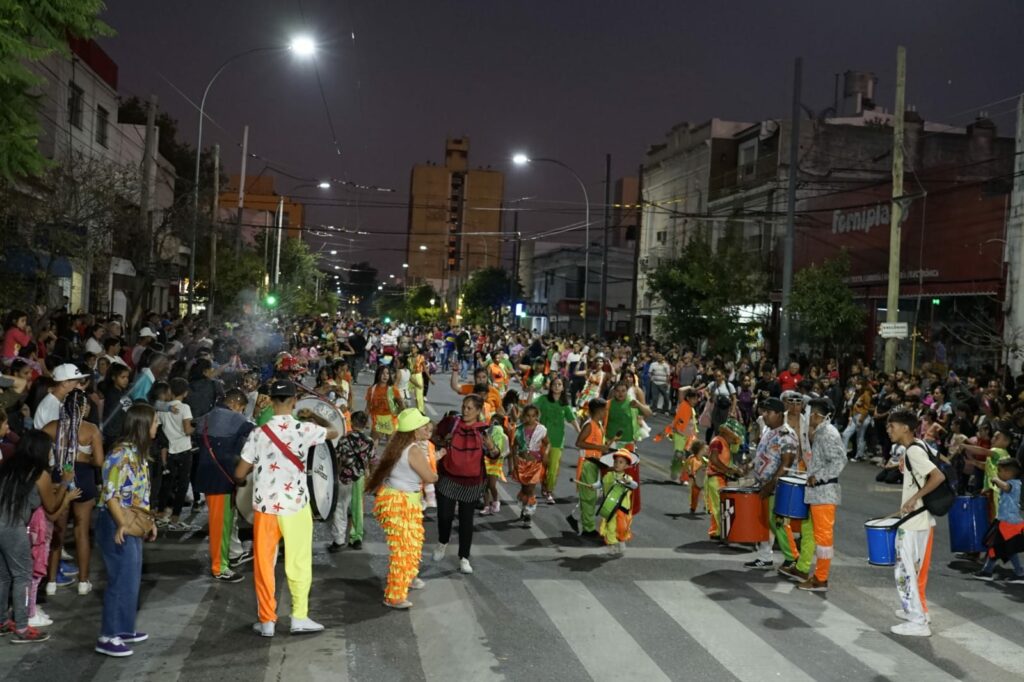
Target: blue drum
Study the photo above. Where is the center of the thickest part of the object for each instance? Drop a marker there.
(789, 497)
(881, 541)
(968, 523)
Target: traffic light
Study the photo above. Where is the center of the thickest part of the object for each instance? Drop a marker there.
(936, 301)
(583, 308)
(270, 301)
(387, 320)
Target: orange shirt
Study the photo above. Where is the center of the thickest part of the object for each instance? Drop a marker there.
(720, 447)
(593, 436)
(377, 403)
(683, 423)
(493, 399)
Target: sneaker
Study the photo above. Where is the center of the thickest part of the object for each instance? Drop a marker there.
(84, 588)
(62, 581)
(549, 498)
(302, 626)
(401, 605)
(7, 627)
(112, 646)
(573, 523)
(29, 635)
(335, 547)
(243, 558)
(229, 576)
(793, 573)
(162, 522)
(66, 555)
(1015, 580)
(264, 629)
(983, 575)
(51, 589)
(812, 584)
(439, 552)
(68, 568)
(182, 527)
(486, 510)
(417, 584)
(133, 637)
(903, 615)
(496, 506)
(465, 566)
(911, 630)
(787, 564)
(40, 620)
(356, 544)
(759, 564)
(527, 521)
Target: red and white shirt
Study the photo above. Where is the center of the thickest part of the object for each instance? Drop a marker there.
(279, 487)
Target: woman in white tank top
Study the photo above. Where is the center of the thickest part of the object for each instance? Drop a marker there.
(397, 481)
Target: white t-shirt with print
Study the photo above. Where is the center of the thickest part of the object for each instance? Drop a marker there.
(921, 467)
(279, 487)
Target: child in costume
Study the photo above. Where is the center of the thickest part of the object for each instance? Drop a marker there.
(697, 468)
(616, 512)
(529, 451)
(495, 466)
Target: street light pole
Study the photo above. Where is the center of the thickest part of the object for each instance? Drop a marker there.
(522, 159)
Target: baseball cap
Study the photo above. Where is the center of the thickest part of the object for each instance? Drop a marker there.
(773, 404)
(793, 395)
(281, 388)
(146, 331)
(67, 372)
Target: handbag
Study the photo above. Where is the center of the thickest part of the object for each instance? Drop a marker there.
(138, 522)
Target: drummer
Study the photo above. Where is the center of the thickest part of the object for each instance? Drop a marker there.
(273, 453)
(720, 467)
(778, 443)
(797, 419)
(222, 433)
(828, 459)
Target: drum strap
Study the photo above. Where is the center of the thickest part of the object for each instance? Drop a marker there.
(213, 456)
(289, 455)
(828, 482)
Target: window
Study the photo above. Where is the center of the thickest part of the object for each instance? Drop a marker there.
(747, 162)
(102, 117)
(661, 237)
(75, 97)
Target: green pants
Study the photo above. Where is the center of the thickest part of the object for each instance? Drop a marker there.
(713, 502)
(589, 474)
(551, 472)
(784, 535)
(676, 468)
(350, 501)
(807, 545)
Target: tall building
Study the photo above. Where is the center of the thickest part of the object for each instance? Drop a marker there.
(454, 219)
(261, 205)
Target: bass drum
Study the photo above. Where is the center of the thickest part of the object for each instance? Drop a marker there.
(243, 499)
(322, 480)
(323, 408)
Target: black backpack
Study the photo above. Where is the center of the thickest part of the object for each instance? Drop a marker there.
(939, 501)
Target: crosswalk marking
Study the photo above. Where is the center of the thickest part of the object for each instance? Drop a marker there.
(862, 641)
(740, 650)
(601, 644)
(448, 634)
(979, 641)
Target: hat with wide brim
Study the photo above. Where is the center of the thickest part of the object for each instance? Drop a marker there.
(411, 419)
(609, 459)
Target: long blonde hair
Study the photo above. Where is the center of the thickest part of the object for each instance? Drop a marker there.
(392, 452)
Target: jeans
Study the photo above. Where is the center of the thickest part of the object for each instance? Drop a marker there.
(859, 425)
(445, 517)
(990, 564)
(466, 368)
(124, 576)
(659, 393)
(15, 572)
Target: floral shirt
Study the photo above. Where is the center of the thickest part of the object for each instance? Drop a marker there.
(125, 477)
(354, 455)
(279, 487)
(774, 443)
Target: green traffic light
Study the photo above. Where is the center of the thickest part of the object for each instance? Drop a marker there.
(935, 301)
(387, 320)
(270, 300)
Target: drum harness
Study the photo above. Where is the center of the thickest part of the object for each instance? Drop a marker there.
(289, 455)
(213, 456)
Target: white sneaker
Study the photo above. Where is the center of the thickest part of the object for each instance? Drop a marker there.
(497, 506)
(40, 620)
(304, 625)
(911, 630)
(465, 567)
(51, 589)
(264, 629)
(903, 615)
(84, 588)
(438, 554)
(65, 555)
(417, 584)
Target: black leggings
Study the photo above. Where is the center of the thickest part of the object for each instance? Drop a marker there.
(445, 516)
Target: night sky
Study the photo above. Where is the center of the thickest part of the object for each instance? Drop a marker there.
(567, 79)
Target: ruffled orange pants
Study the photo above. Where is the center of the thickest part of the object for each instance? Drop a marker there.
(401, 516)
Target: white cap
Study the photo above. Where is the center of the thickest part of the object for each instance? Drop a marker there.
(146, 331)
(67, 372)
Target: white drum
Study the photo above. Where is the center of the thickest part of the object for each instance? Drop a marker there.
(243, 499)
(323, 408)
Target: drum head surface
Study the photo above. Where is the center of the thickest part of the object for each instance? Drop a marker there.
(243, 499)
(323, 481)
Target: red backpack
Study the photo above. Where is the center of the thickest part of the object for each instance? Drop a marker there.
(465, 458)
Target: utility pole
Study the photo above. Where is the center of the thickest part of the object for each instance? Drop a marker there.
(634, 293)
(147, 185)
(515, 266)
(603, 312)
(241, 190)
(1014, 326)
(211, 288)
(280, 229)
(787, 242)
(892, 304)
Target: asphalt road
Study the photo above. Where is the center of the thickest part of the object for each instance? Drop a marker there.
(542, 604)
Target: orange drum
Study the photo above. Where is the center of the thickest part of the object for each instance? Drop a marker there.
(744, 516)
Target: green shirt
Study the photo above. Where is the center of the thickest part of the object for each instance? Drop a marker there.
(991, 466)
(621, 417)
(554, 415)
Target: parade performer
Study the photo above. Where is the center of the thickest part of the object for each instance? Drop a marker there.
(355, 455)
(696, 468)
(618, 487)
(222, 434)
(383, 402)
(624, 428)
(778, 442)
(720, 468)
(555, 412)
(823, 493)
(683, 430)
(499, 378)
(419, 377)
(529, 451)
(591, 442)
(273, 453)
(798, 420)
(481, 386)
(397, 480)
(494, 463)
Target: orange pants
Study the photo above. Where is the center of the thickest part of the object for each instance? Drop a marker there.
(695, 494)
(823, 517)
(267, 532)
(401, 517)
(222, 518)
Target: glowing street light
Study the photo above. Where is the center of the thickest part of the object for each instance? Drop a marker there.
(334, 252)
(390, 276)
(323, 184)
(302, 45)
(423, 247)
(405, 265)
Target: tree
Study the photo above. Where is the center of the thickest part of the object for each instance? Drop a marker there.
(30, 31)
(823, 303)
(704, 292)
(486, 292)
